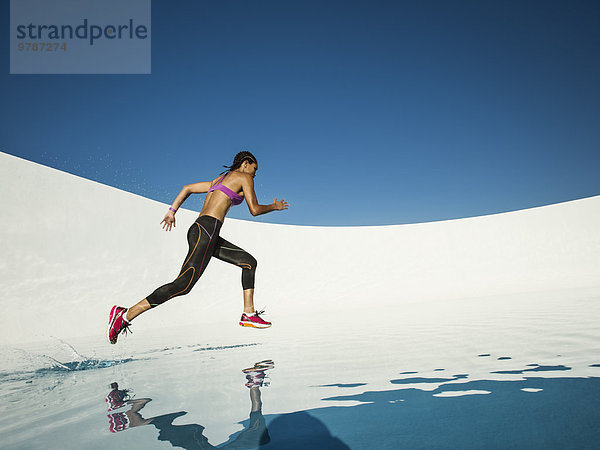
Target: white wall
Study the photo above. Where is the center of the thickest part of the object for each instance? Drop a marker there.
(71, 248)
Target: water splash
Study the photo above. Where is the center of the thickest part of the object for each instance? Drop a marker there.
(20, 364)
(87, 364)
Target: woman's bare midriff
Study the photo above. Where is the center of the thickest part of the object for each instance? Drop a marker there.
(216, 205)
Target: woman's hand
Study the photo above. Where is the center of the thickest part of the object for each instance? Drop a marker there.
(168, 221)
(280, 205)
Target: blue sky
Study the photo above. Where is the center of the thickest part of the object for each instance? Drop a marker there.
(360, 112)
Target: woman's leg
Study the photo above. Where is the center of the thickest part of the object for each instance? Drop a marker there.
(232, 254)
(202, 237)
(137, 309)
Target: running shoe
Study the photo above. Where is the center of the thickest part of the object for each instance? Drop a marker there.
(260, 366)
(117, 323)
(256, 380)
(118, 422)
(254, 320)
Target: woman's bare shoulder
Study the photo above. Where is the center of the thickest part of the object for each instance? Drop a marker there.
(238, 177)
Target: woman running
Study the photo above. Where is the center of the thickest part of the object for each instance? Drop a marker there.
(204, 242)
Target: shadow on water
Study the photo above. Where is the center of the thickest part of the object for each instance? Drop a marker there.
(530, 413)
(301, 430)
(537, 368)
(427, 380)
(534, 412)
(287, 431)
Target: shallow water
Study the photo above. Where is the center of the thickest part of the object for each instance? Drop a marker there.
(463, 374)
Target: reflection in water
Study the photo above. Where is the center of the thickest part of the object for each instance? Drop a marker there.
(256, 434)
(298, 430)
(129, 419)
(191, 436)
(116, 398)
(120, 421)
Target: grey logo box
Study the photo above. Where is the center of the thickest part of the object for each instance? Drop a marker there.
(80, 37)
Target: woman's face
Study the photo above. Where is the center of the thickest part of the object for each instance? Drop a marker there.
(250, 168)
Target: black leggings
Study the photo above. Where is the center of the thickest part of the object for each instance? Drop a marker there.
(204, 242)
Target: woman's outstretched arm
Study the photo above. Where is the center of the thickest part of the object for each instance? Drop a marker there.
(255, 208)
(196, 188)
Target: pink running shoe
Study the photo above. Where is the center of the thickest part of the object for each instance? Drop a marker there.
(116, 323)
(254, 320)
(256, 379)
(118, 422)
(260, 366)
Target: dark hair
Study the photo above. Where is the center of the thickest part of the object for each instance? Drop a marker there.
(239, 159)
(122, 393)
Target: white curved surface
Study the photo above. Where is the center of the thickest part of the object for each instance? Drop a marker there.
(71, 248)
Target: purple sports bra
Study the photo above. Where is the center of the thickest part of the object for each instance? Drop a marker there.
(236, 199)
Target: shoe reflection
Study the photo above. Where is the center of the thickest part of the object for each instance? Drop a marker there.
(120, 421)
(256, 434)
(191, 436)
